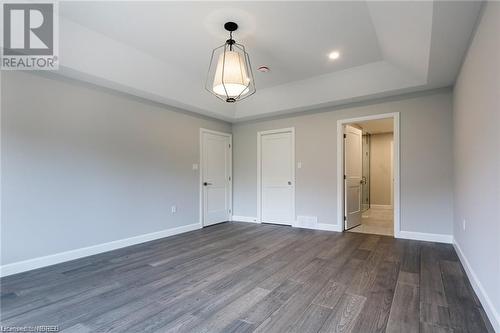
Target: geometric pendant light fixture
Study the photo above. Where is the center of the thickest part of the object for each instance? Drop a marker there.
(230, 76)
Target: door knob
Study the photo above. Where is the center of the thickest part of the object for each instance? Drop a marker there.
(206, 184)
(289, 183)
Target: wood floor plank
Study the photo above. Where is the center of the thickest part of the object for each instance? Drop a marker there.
(229, 313)
(379, 299)
(409, 278)
(404, 314)
(435, 315)
(370, 242)
(411, 257)
(343, 317)
(282, 319)
(486, 321)
(431, 283)
(365, 276)
(239, 326)
(311, 320)
(330, 295)
(302, 259)
(464, 314)
(428, 328)
(272, 302)
(242, 277)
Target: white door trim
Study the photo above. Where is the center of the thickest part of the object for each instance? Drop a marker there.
(259, 171)
(200, 185)
(340, 168)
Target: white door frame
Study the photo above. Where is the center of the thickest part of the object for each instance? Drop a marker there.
(259, 170)
(340, 167)
(230, 136)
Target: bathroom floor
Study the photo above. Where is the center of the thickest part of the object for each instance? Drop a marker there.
(377, 221)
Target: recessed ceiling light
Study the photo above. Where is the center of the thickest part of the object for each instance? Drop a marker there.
(334, 55)
(263, 69)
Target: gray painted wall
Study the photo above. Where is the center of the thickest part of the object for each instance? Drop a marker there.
(83, 166)
(426, 162)
(477, 155)
(380, 169)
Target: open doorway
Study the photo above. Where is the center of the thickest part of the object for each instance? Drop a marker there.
(369, 177)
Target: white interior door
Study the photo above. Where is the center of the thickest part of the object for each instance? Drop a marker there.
(353, 171)
(277, 177)
(215, 177)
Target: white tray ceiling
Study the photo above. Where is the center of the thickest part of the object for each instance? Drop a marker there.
(160, 50)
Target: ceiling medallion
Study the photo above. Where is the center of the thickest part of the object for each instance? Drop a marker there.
(230, 78)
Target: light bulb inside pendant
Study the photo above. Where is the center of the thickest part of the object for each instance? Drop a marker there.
(231, 78)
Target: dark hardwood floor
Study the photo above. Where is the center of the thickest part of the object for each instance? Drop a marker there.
(243, 277)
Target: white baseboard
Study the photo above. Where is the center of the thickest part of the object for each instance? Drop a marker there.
(388, 207)
(486, 302)
(317, 226)
(423, 236)
(30, 264)
(439, 238)
(295, 224)
(244, 219)
(328, 227)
